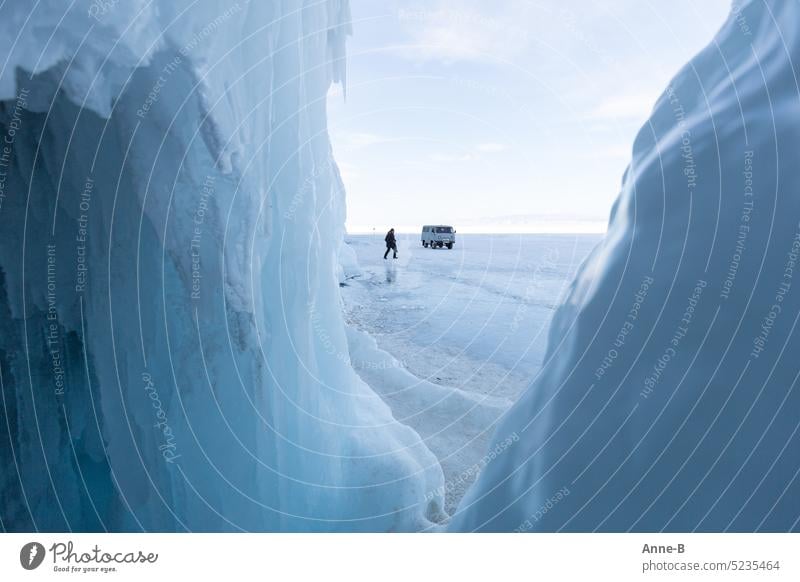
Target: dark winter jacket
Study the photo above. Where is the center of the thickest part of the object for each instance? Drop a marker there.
(390, 240)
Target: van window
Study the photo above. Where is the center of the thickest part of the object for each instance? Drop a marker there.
(444, 229)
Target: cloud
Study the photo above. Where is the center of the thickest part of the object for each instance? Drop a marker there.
(457, 30)
(491, 147)
(452, 158)
(624, 106)
(470, 156)
(617, 153)
(350, 140)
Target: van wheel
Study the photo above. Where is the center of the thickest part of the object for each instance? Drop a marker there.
(425, 245)
(450, 245)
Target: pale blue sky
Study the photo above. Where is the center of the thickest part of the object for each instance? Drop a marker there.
(506, 115)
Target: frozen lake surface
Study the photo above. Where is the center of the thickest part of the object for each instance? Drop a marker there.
(473, 319)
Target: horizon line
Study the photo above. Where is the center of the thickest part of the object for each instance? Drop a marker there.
(557, 228)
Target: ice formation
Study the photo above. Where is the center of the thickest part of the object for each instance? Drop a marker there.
(669, 397)
(173, 355)
(172, 352)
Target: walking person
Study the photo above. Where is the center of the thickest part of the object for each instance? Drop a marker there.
(391, 244)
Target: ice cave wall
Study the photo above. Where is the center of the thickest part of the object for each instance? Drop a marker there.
(669, 397)
(172, 350)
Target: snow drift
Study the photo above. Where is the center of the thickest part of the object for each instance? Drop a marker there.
(669, 397)
(172, 351)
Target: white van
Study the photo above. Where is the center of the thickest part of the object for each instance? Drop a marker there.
(438, 236)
